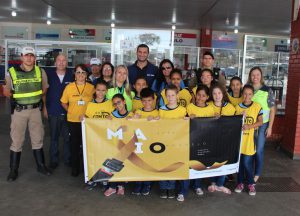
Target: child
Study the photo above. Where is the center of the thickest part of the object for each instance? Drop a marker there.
(100, 107)
(200, 109)
(120, 111)
(184, 96)
(206, 78)
(253, 119)
(222, 107)
(140, 83)
(235, 91)
(171, 111)
(150, 113)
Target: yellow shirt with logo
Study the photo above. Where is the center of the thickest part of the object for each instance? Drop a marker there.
(184, 96)
(116, 115)
(207, 111)
(252, 112)
(234, 100)
(226, 110)
(146, 114)
(72, 96)
(176, 113)
(99, 110)
(137, 103)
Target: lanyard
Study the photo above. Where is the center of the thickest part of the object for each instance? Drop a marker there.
(80, 94)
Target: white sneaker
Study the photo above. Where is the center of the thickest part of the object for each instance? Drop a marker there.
(180, 198)
(199, 191)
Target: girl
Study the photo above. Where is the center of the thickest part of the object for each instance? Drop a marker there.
(184, 96)
(121, 86)
(120, 111)
(264, 96)
(206, 78)
(222, 107)
(74, 100)
(253, 119)
(235, 91)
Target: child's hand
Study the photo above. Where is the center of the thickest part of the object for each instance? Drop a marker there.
(186, 118)
(129, 118)
(246, 127)
(109, 117)
(217, 115)
(156, 118)
(192, 116)
(149, 118)
(137, 116)
(81, 117)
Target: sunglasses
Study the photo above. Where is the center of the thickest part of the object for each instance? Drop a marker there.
(165, 68)
(117, 103)
(80, 72)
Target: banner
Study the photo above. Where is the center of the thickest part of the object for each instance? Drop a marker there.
(141, 150)
(185, 39)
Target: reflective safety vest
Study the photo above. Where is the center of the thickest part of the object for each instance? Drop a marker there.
(27, 85)
(261, 97)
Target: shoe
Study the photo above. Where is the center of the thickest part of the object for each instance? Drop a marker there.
(199, 191)
(121, 190)
(212, 188)
(137, 190)
(146, 191)
(223, 189)
(239, 188)
(171, 194)
(109, 192)
(252, 190)
(91, 185)
(14, 166)
(163, 194)
(40, 162)
(53, 165)
(180, 198)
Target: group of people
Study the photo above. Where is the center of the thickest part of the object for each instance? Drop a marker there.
(141, 90)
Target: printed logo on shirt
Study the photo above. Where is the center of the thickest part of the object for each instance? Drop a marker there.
(182, 102)
(152, 75)
(101, 115)
(249, 120)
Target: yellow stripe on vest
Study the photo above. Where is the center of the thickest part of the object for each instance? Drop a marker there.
(31, 94)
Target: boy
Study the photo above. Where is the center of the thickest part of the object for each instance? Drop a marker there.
(171, 111)
(150, 113)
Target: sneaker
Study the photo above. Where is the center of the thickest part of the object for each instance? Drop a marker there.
(252, 190)
(180, 198)
(199, 191)
(171, 194)
(163, 194)
(239, 188)
(109, 192)
(146, 190)
(91, 185)
(121, 190)
(136, 191)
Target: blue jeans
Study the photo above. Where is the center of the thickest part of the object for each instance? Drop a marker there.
(142, 185)
(260, 140)
(246, 167)
(184, 187)
(219, 180)
(167, 185)
(59, 126)
(197, 183)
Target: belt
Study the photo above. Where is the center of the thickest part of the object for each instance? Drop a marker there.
(20, 107)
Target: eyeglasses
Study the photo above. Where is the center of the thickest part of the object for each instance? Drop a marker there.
(107, 68)
(80, 72)
(117, 103)
(165, 68)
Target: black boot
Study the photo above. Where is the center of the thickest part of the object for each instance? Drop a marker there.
(14, 166)
(40, 161)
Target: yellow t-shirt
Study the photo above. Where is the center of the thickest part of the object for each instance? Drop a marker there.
(116, 115)
(252, 112)
(146, 114)
(207, 111)
(194, 90)
(227, 109)
(137, 103)
(184, 95)
(167, 113)
(99, 110)
(77, 99)
(234, 100)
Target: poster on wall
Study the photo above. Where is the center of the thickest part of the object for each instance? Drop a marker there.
(185, 39)
(47, 34)
(14, 32)
(82, 34)
(224, 40)
(107, 35)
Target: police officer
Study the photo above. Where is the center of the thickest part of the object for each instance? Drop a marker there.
(25, 85)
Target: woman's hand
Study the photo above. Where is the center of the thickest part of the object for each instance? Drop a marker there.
(268, 132)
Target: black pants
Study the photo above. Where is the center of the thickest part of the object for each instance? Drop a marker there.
(76, 144)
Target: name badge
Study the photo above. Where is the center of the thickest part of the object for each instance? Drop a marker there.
(80, 103)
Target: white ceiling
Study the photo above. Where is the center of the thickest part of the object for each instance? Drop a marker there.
(253, 16)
